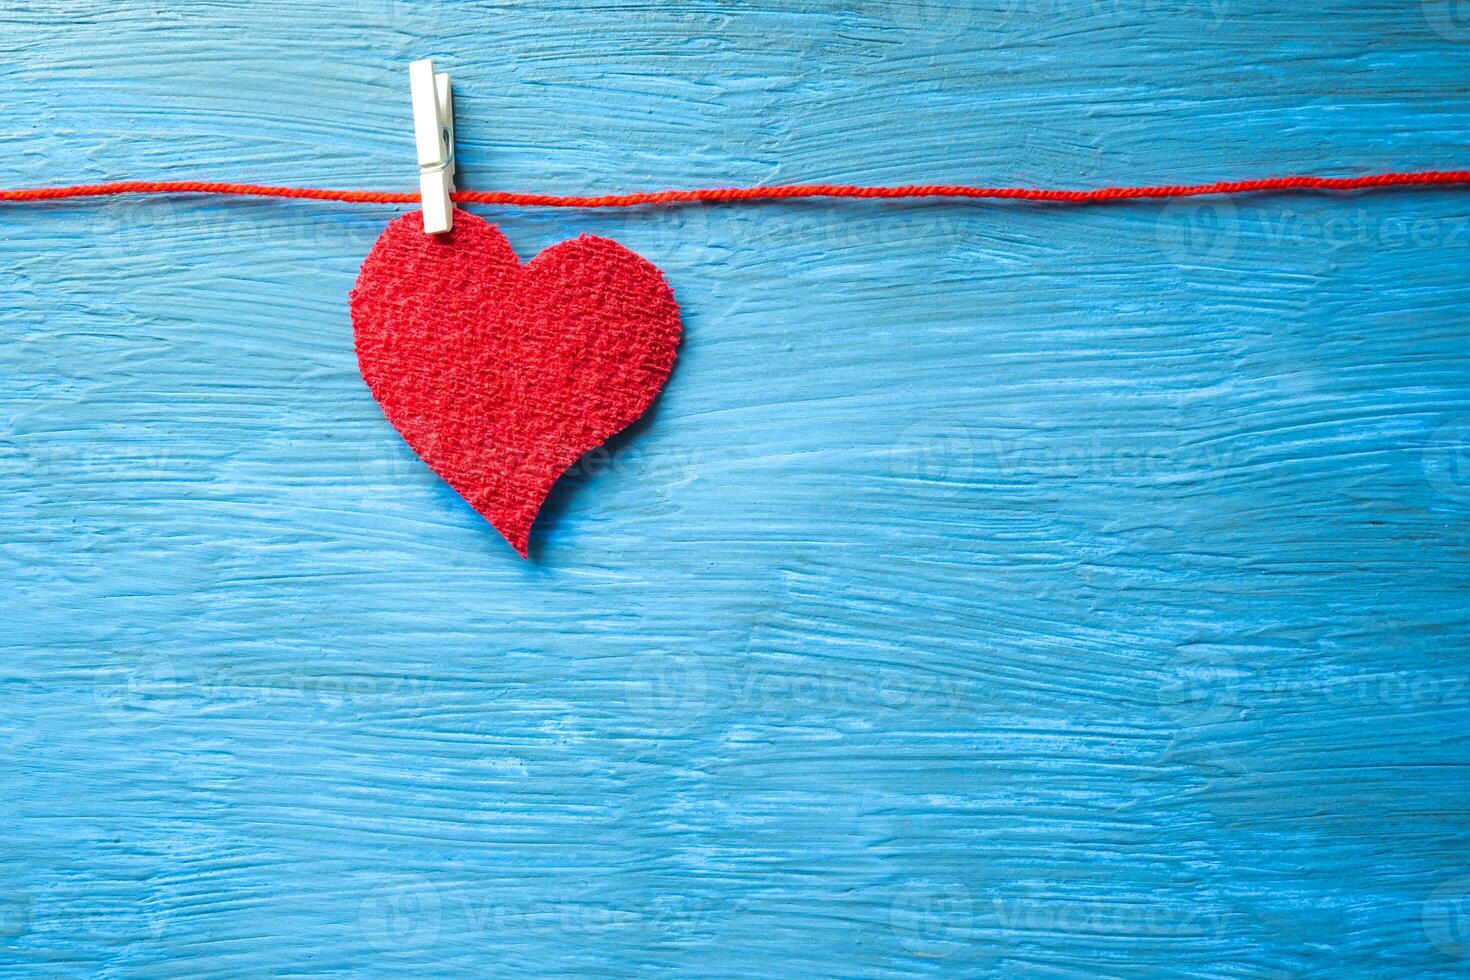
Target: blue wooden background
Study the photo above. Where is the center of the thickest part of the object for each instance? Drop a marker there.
(995, 590)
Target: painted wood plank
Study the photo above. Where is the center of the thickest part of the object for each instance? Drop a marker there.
(996, 590)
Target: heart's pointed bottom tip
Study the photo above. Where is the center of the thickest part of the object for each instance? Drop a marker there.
(516, 534)
(512, 515)
(520, 542)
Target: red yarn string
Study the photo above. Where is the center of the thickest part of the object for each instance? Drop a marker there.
(724, 195)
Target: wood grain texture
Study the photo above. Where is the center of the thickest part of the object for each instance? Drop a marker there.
(995, 590)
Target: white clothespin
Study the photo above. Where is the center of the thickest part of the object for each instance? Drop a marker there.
(433, 132)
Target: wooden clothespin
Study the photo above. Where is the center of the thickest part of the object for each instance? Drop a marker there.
(433, 132)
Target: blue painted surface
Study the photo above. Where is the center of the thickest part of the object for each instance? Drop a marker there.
(994, 591)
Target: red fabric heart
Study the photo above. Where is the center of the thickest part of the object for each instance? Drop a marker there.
(500, 375)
